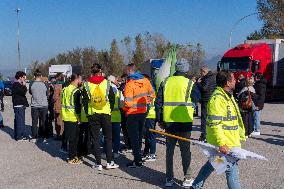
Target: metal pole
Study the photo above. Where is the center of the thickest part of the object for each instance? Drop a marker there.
(235, 25)
(18, 38)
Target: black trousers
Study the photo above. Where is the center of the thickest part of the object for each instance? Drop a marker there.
(96, 122)
(84, 138)
(135, 127)
(71, 131)
(203, 118)
(248, 121)
(124, 130)
(1, 100)
(39, 116)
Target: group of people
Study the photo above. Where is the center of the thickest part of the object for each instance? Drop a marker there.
(250, 93)
(90, 113)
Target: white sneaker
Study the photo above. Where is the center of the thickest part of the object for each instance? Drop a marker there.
(33, 140)
(169, 183)
(255, 133)
(149, 158)
(112, 165)
(188, 182)
(116, 155)
(97, 167)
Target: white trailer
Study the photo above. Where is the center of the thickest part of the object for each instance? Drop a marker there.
(66, 69)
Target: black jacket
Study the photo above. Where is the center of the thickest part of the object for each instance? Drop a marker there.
(207, 86)
(19, 94)
(239, 86)
(260, 90)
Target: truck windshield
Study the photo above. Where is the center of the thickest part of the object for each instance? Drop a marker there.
(236, 64)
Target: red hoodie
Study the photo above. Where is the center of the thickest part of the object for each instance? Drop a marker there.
(96, 79)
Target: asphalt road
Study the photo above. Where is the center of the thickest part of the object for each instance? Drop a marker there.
(29, 165)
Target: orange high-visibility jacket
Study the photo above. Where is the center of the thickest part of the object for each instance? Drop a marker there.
(137, 94)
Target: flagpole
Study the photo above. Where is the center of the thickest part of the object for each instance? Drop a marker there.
(169, 135)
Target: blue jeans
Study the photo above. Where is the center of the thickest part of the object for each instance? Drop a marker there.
(1, 120)
(232, 176)
(115, 138)
(19, 122)
(256, 122)
(150, 137)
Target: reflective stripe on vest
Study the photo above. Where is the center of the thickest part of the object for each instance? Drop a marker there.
(139, 96)
(230, 128)
(221, 118)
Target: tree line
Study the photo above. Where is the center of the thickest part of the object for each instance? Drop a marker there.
(128, 50)
(271, 13)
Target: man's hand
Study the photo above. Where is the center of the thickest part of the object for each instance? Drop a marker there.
(199, 80)
(224, 149)
(161, 125)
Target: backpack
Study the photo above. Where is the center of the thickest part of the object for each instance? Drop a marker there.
(98, 98)
(246, 100)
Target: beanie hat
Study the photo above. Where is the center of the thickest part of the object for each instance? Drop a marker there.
(182, 65)
(111, 78)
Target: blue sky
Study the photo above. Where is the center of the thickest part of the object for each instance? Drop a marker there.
(52, 26)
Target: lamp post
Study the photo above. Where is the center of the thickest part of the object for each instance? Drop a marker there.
(235, 25)
(18, 38)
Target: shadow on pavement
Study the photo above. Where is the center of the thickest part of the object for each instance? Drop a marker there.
(144, 174)
(272, 124)
(275, 139)
(10, 131)
(52, 147)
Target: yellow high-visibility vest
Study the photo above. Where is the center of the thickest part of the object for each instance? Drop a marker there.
(177, 105)
(115, 114)
(152, 111)
(224, 124)
(105, 87)
(68, 107)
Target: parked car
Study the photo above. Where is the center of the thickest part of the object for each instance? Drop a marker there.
(8, 88)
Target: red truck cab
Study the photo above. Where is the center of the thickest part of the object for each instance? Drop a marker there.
(265, 56)
(247, 59)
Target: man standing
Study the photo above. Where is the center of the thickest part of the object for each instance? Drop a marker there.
(2, 93)
(98, 100)
(116, 115)
(20, 103)
(138, 93)
(174, 112)
(260, 90)
(71, 112)
(39, 107)
(206, 84)
(224, 126)
(59, 127)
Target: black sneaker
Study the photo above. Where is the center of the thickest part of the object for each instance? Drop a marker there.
(202, 139)
(134, 164)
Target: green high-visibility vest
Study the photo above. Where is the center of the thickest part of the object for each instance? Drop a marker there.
(177, 105)
(152, 111)
(224, 124)
(115, 114)
(68, 107)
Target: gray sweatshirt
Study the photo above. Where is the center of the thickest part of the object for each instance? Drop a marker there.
(39, 92)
